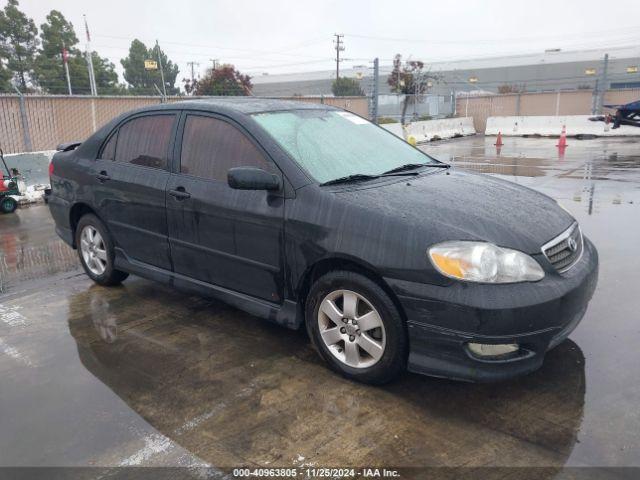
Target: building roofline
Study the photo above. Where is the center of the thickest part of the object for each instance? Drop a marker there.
(477, 63)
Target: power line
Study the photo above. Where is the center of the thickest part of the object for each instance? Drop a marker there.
(210, 47)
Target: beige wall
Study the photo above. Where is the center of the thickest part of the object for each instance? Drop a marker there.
(575, 102)
(56, 119)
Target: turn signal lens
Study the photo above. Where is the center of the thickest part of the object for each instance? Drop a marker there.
(484, 262)
(449, 266)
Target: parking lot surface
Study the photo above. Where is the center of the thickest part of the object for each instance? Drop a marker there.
(143, 375)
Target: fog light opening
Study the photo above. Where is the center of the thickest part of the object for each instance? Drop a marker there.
(492, 350)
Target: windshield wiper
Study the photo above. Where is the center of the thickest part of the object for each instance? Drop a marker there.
(413, 166)
(357, 177)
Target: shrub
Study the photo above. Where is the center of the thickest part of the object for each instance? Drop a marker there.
(383, 120)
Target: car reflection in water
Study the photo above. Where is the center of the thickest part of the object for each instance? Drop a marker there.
(259, 393)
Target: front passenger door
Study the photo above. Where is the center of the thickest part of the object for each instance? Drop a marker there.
(225, 237)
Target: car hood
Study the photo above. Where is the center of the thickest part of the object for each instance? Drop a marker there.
(457, 205)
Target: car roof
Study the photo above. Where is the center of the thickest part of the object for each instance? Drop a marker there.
(243, 105)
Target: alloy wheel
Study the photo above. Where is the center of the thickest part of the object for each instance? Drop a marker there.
(351, 328)
(94, 252)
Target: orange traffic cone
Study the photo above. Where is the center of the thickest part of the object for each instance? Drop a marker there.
(562, 143)
(499, 140)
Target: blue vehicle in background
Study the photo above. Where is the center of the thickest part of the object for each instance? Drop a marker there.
(628, 114)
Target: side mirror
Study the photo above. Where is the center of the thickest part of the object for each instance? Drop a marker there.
(251, 178)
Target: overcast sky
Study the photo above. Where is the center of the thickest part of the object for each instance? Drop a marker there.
(279, 36)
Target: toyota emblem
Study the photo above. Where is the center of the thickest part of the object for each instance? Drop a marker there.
(572, 244)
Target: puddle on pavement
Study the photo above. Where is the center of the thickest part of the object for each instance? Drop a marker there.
(233, 389)
(30, 248)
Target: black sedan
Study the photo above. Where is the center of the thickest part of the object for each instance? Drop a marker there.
(309, 215)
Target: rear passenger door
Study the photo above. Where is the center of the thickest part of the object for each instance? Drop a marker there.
(131, 176)
(225, 237)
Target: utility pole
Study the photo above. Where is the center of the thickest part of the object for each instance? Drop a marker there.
(603, 86)
(65, 61)
(214, 63)
(192, 64)
(594, 98)
(164, 87)
(339, 48)
(374, 100)
(89, 54)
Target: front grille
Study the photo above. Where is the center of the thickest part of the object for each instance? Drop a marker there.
(564, 250)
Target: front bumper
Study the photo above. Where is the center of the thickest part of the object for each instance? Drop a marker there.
(536, 316)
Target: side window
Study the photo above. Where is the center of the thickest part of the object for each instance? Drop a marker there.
(109, 148)
(210, 147)
(145, 141)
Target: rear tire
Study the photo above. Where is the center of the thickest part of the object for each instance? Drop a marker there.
(8, 205)
(95, 249)
(356, 328)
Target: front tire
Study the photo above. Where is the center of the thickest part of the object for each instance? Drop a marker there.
(95, 249)
(356, 327)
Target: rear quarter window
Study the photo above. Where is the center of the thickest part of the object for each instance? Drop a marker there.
(145, 141)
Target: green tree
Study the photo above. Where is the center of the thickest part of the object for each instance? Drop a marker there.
(346, 87)
(410, 79)
(106, 76)
(142, 81)
(55, 34)
(18, 42)
(5, 79)
(224, 80)
(58, 33)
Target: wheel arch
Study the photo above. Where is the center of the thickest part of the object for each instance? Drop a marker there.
(77, 211)
(334, 263)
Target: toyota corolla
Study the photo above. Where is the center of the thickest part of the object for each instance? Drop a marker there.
(310, 216)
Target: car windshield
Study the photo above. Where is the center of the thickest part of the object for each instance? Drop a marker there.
(331, 144)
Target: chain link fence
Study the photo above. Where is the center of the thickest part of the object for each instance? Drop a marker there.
(565, 102)
(41, 122)
(418, 107)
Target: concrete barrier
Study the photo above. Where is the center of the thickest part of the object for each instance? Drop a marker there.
(34, 170)
(428, 130)
(394, 128)
(551, 126)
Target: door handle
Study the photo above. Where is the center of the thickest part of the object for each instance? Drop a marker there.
(179, 193)
(103, 177)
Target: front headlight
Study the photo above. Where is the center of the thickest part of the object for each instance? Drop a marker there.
(484, 262)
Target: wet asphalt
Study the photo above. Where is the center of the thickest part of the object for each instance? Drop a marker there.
(143, 375)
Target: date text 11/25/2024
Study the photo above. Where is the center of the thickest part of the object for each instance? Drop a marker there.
(316, 472)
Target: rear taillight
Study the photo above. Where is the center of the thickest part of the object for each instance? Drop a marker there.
(50, 168)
